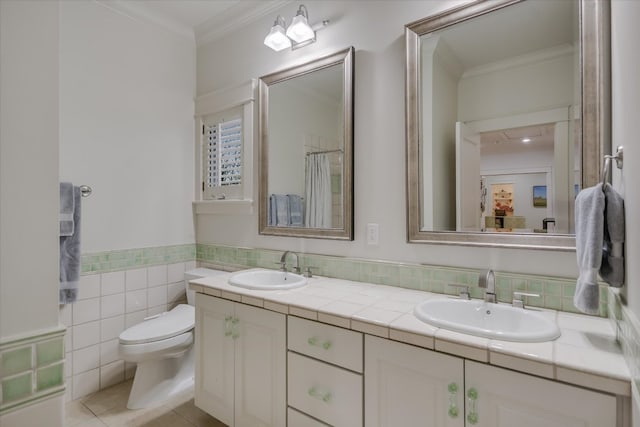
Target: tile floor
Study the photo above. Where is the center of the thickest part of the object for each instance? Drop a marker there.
(108, 407)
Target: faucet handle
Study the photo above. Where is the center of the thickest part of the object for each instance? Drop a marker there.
(464, 290)
(517, 298)
(307, 272)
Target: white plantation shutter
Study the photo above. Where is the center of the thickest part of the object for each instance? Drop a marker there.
(223, 154)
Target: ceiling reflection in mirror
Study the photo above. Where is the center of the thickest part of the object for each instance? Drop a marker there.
(496, 143)
(306, 150)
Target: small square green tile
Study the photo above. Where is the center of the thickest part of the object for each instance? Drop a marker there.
(15, 361)
(519, 284)
(444, 275)
(51, 376)
(16, 387)
(535, 286)
(503, 283)
(553, 288)
(437, 287)
(553, 302)
(49, 351)
(567, 305)
(568, 290)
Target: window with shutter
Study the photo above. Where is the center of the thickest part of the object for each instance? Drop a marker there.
(223, 156)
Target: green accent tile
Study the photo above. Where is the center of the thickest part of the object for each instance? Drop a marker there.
(437, 287)
(535, 286)
(553, 288)
(15, 361)
(568, 290)
(504, 295)
(444, 275)
(16, 387)
(503, 283)
(49, 351)
(476, 292)
(553, 302)
(51, 376)
(519, 284)
(567, 305)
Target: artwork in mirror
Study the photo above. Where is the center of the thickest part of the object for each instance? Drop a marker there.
(306, 146)
(501, 97)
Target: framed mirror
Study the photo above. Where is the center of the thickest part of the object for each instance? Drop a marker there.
(306, 149)
(507, 118)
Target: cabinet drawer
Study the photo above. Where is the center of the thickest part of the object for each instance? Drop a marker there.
(331, 394)
(298, 419)
(329, 343)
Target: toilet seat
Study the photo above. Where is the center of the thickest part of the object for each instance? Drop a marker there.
(170, 324)
(167, 348)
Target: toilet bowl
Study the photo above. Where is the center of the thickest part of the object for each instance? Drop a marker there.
(162, 347)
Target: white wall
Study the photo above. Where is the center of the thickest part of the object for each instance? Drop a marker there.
(28, 167)
(126, 127)
(625, 15)
(29, 183)
(515, 90)
(377, 33)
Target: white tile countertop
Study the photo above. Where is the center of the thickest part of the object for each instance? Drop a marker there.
(585, 354)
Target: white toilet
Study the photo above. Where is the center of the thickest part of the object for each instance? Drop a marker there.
(162, 346)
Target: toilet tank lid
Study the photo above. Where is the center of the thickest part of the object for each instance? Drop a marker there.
(175, 322)
(197, 273)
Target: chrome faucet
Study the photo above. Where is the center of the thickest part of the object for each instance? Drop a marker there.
(488, 282)
(283, 262)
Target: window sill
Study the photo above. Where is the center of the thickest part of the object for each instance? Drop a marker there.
(223, 207)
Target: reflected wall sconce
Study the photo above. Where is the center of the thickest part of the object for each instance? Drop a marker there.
(297, 35)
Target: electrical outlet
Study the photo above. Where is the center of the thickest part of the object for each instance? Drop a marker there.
(372, 234)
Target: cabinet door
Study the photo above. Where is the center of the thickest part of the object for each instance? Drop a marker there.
(505, 399)
(410, 386)
(260, 370)
(214, 349)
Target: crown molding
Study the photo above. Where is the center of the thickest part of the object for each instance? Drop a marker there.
(241, 14)
(138, 11)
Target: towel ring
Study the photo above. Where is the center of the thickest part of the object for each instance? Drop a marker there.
(618, 157)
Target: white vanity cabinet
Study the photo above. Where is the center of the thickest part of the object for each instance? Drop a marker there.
(324, 381)
(411, 386)
(407, 385)
(240, 363)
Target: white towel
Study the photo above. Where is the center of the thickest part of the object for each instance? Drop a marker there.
(590, 205)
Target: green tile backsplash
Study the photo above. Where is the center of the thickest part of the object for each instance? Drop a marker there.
(555, 293)
(104, 262)
(49, 351)
(16, 387)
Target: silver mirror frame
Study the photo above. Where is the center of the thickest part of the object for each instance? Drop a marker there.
(596, 118)
(346, 59)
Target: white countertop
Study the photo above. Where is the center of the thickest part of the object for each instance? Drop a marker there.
(586, 353)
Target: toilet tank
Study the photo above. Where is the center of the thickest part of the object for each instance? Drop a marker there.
(197, 273)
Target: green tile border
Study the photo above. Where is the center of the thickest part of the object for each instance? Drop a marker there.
(104, 262)
(32, 369)
(555, 292)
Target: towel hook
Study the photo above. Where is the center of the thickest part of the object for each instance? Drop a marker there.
(618, 157)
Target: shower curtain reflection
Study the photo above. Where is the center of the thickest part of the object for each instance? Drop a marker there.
(317, 191)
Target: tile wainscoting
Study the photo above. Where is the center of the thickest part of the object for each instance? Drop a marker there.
(121, 288)
(117, 290)
(31, 369)
(628, 333)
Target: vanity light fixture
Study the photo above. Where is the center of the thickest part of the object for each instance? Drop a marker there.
(299, 33)
(277, 39)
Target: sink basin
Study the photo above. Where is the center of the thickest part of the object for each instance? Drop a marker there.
(497, 321)
(267, 280)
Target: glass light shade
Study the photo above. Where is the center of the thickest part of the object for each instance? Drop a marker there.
(277, 39)
(299, 30)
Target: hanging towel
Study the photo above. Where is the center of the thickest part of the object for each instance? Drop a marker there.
(70, 256)
(66, 209)
(612, 268)
(282, 209)
(590, 206)
(272, 210)
(296, 216)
